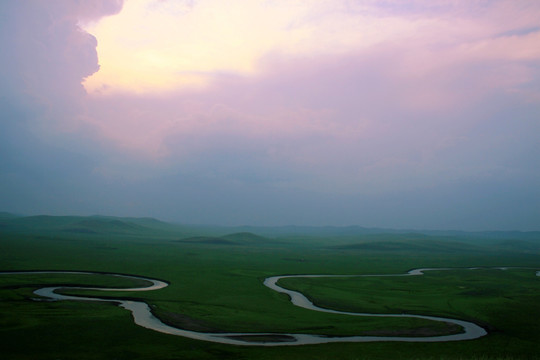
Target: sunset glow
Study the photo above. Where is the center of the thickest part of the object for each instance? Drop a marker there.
(324, 111)
(159, 46)
(166, 45)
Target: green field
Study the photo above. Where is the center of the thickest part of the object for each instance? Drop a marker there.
(216, 274)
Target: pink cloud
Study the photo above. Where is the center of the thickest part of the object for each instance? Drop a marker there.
(346, 119)
(451, 100)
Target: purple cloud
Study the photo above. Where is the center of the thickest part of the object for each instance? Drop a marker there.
(441, 114)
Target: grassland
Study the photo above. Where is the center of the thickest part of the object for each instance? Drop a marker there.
(216, 276)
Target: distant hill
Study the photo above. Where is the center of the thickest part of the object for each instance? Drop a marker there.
(245, 237)
(6, 215)
(72, 224)
(394, 243)
(349, 237)
(42, 222)
(90, 225)
(96, 226)
(242, 238)
(207, 240)
(354, 231)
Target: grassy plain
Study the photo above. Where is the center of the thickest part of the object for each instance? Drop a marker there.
(217, 286)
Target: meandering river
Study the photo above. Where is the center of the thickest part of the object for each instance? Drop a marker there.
(143, 316)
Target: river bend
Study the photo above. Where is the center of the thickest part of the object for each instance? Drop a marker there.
(143, 316)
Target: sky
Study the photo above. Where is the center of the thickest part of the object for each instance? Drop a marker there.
(421, 114)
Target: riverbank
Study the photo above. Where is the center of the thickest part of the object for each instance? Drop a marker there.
(144, 317)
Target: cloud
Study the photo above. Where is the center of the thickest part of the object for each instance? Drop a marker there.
(336, 112)
(45, 57)
(48, 51)
(396, 107)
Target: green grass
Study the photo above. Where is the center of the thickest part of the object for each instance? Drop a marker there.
(502, 301)
(219, 287)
